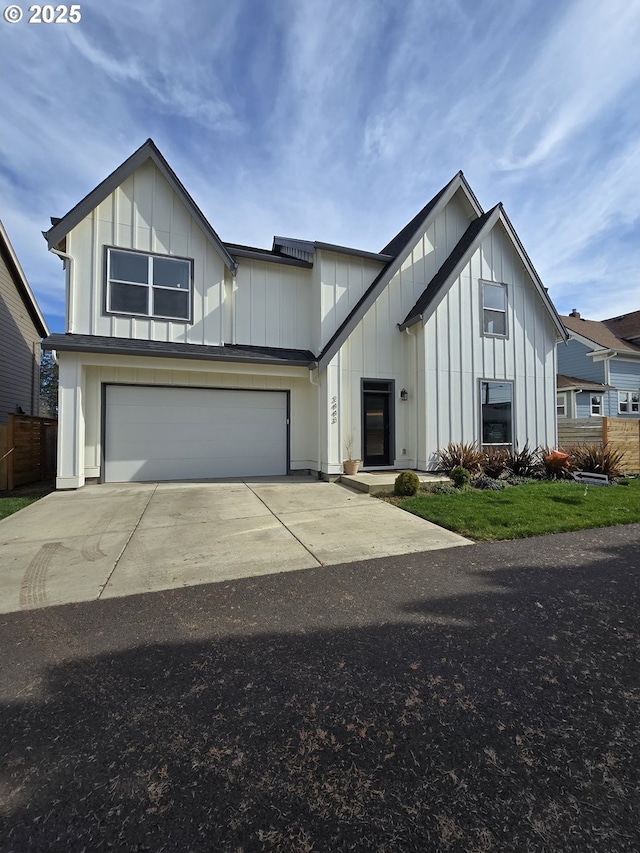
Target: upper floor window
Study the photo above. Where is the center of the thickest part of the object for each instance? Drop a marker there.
(494, 308)
(596, 404)
(628, 402)
(145, 285)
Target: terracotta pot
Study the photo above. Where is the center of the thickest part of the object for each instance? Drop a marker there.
(351, 466)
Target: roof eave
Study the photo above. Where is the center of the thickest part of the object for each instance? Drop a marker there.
(32, 305)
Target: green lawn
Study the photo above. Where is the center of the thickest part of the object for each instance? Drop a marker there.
(11, 505)
(529, 510)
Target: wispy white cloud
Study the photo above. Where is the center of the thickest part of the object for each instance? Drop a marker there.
(337, 121)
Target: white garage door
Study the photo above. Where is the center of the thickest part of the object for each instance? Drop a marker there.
(154, 433)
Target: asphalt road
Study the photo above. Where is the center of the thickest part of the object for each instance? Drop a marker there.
(479, 699)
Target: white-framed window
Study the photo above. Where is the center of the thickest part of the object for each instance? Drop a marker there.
(629, 402)
(561, 405)
(147, 285)
(496, 413)
(494, 309)
(595, 404)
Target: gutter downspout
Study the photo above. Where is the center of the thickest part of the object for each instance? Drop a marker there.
(319, 387)
(69, 302)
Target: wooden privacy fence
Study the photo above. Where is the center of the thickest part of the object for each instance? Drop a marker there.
(28, 445)
(622, 434)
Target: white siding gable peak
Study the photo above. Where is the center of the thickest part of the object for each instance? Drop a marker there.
(147, 151)
(399, 249)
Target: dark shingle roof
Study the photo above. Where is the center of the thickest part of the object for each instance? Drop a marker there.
(447, 268)
(168, 349)
(625, 326)
(397, 244)
(563, 382)
(599, 333)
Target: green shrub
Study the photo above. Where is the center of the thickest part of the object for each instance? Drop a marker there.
(494, 461)
(460, 476)
(459, 455)
(407, 484)
(597, 459)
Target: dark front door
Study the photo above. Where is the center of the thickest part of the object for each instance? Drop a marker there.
(377, 398)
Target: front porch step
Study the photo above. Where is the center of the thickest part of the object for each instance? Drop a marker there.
(382, 482)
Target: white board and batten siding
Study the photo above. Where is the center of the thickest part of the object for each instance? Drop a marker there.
(377, 350)
(303, 441)
(272, 305)
(458, 356)
(145, 214)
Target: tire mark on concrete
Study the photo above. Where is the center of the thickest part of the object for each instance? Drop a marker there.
(33, 590)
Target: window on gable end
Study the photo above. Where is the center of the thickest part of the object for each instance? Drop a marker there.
(494, 308)
(148, 285)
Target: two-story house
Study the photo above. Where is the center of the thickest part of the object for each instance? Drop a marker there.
(599, 368)
(189, 357)
(21, 328)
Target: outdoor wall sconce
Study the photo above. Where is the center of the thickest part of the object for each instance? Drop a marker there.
(404, 395)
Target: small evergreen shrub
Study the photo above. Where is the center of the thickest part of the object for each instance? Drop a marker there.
(459, 455)
(489, 483)
(460, 476)
(407, 484)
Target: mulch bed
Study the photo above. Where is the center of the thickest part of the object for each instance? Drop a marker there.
(477, 699)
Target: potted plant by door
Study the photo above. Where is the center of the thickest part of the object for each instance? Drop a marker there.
(350, 465)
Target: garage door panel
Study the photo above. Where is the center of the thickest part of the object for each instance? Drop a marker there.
(156, 433)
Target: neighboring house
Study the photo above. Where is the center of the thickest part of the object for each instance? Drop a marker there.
(187, 357)
(21, 328)
(599, 368)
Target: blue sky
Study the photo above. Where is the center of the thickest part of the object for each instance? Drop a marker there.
(337, 121)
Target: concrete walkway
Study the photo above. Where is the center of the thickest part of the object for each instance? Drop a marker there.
(113, 540)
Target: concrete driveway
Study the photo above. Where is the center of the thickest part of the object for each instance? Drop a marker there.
(105, 541)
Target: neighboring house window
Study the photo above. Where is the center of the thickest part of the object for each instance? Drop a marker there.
(561, 405)
(628, 402)
(496, 413)
(148, 285)
(494, 309)
(596, 404)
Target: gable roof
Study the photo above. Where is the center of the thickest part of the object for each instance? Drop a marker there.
(625, 326)
(21, 283)
(399, 247)
(397, 243)
(459, 258)
(147, 151)
(599, 334)
(449, 269)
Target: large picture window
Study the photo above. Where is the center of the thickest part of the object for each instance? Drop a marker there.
(496, 406)
(494, 309)
(148, 285)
